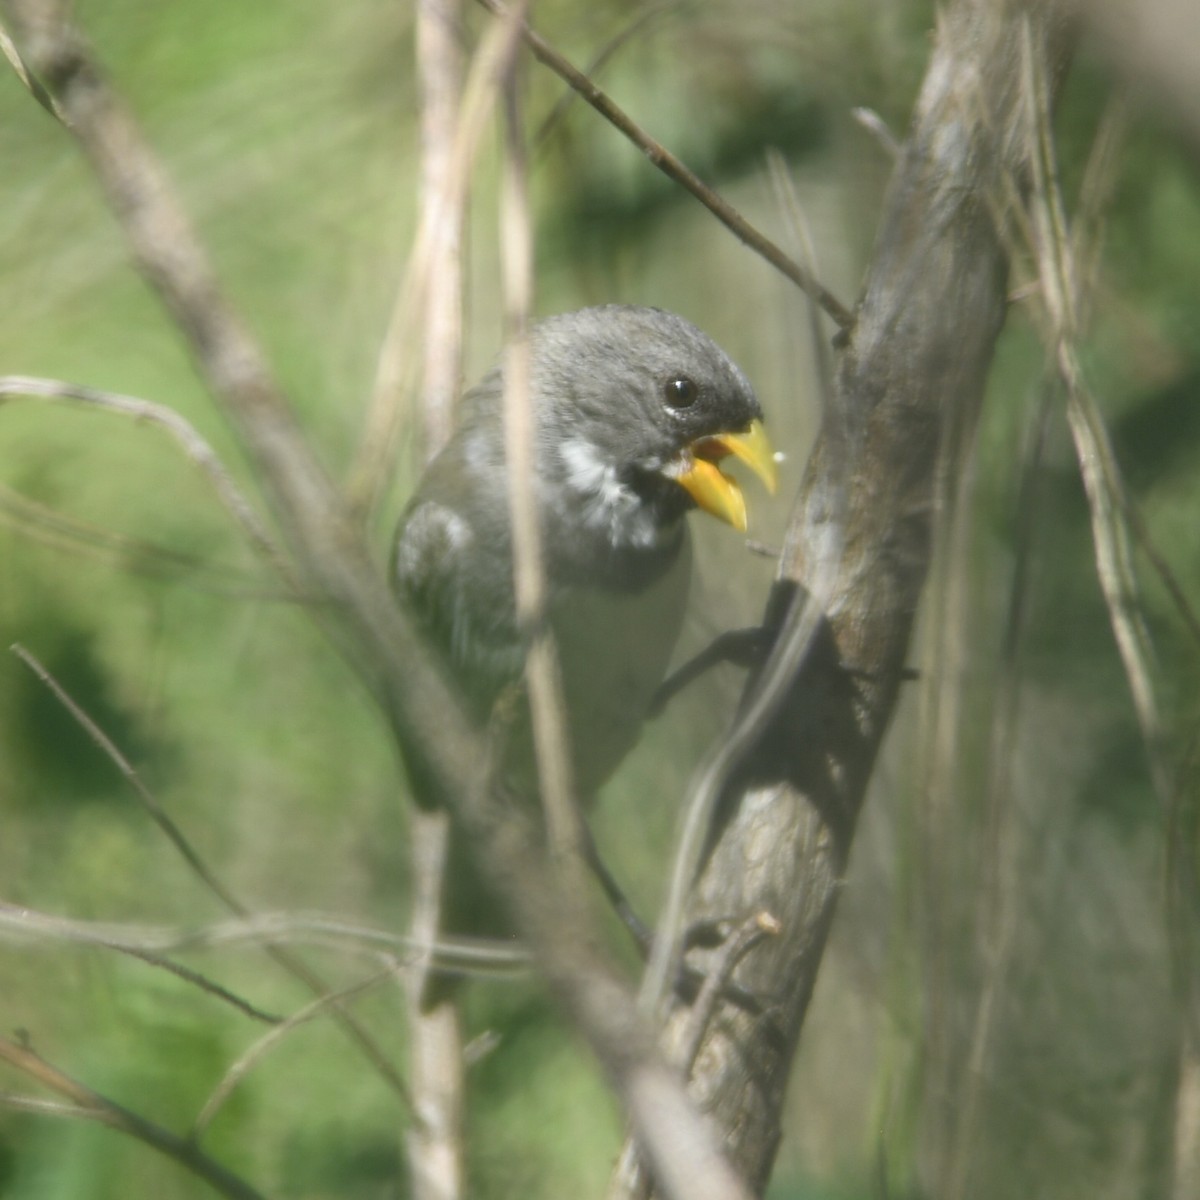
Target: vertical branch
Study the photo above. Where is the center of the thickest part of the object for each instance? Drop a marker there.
(396, 370)
(443, 211)
(542, 676)
(435, 1143)
(380, 642)
(919, 353)
(944, 722)
(1098, 467)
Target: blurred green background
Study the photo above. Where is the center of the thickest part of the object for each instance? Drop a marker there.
(1000, 1010)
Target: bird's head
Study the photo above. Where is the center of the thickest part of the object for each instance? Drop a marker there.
(637, 412)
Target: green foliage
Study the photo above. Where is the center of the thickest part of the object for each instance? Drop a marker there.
(291, 131)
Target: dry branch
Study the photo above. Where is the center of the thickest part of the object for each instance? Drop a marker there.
(435, 1145)
(677, 171)
(91, 1105)
(913, 367)
(296, 967)
(375, 636)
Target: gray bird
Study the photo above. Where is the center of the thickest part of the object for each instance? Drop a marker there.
(635, 410)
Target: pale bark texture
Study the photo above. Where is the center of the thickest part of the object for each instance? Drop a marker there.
(907, 377)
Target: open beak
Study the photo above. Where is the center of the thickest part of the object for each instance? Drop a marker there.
(717, 493)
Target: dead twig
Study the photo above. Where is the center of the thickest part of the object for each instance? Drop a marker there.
(250, 1058)
(368, 627)
(1101, 474)
(184, 433)
(674, 169)
(293, 965)
(463, 956)
(542, 674)
(92, 1106)
(399, 359)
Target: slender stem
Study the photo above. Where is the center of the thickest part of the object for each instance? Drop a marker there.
(675, 169)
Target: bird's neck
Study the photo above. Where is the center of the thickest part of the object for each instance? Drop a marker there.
(625, 531)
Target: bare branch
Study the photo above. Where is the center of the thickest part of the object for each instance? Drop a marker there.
(875, 125)
(250, 1058)
(49, 527)
(398, 358)
(542, 675)
(379, 641)
(914, 365)
(454, 955)
(32, 84)
(184, 433)
(1103, 485)
(638, 24)
(443, 207)
(96, 1107)
(437, 1065)
(674, 169)
(358, 1033)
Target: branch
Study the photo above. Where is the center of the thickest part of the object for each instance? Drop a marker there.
(41, 523)
(437, 1066)
(913, 368)
(464, 956)
(95, 1107)
(421, 287)
(294, 966)
(543, 678)
(250, 1058)
(674, 169)
(184, 433)
(379, 641)
(1101, 474)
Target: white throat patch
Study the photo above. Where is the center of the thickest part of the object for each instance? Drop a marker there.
(607, 505)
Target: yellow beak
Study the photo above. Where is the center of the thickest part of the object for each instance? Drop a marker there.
(714, 491)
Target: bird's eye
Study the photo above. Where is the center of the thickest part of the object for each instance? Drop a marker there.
(680, 392)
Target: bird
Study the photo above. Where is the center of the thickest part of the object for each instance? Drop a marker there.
(637, 414)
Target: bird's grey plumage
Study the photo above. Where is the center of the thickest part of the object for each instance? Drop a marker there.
(616, 549)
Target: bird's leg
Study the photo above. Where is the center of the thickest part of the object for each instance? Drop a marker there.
(691, 982)
(616, 897)
(742, 647)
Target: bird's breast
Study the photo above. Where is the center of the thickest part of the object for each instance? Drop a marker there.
(615, 647)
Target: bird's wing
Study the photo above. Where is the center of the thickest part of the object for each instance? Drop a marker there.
(444, 570)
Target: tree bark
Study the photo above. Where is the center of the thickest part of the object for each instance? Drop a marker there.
(907, 376)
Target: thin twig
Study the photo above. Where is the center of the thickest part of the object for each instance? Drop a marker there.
(457, 955)
(205, 874)
(45, 1108)
(197, 980)
(736, 946)
(398, 357)
(251, 1057)
(96, 1107)
(1098, 465)
(542, 674)
(676, 170)
(47, 526)
(1162, 568)
(184, 433)
(129, 773)
(875, 125)
(31, 82)
(648, 15)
